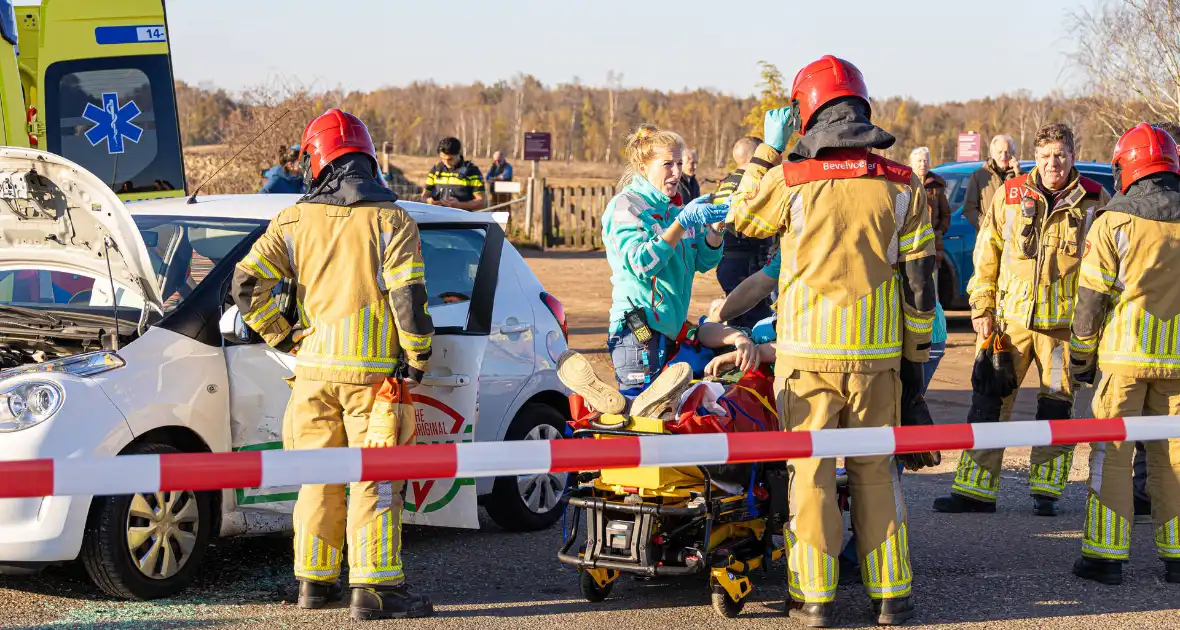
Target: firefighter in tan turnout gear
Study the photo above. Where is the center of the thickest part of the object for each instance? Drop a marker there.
(856, 308)
(1026, 272)
(1128, 314)
(357, 262)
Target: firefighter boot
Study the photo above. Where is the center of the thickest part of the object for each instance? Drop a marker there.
(664, 392)
(314, 595)
(1044, 506)
(812, 615)
(893, 611)
(958, 504)
(1172, 571)
(388, 602)
(576, 373)
(1101, 571)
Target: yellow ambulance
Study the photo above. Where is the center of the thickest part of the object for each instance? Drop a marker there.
(92, 80)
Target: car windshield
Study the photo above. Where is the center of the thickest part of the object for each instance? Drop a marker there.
(183, 251)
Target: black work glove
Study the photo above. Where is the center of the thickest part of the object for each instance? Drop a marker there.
(912, 380)
(1005, 367)
(914, 413)
(1088, 371)
(983, 371)
(984, 408)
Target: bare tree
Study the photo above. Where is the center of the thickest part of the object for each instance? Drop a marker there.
(1129, 54)
(519, 83)
(614, 82)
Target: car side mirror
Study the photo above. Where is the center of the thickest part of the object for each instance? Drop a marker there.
(234, 329)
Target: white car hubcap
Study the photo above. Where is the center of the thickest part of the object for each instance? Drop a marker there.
(162, 532)
(542, 493)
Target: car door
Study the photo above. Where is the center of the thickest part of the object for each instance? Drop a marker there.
(461, 290)
(509, 360)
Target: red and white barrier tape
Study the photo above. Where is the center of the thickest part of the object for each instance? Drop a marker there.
(264, 469)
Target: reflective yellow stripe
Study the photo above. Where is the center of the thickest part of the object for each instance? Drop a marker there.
(404, 274)
(913, 240)
(886, 570)
(1050, 477)
(1107, 535)
(868, 329)
(973, 480)
(374, 550)
(811, 574)
(1167, 539)
(1133, 337)
(1106, 276)
(315, 559)
(261, 316)
(261, 267)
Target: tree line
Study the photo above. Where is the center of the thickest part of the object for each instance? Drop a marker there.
(1128, 79)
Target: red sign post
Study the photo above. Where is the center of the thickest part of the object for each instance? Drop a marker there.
(970, 147)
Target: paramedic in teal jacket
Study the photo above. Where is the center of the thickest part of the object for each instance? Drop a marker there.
(655, 244)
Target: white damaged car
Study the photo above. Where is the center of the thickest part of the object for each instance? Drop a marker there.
(110, 344)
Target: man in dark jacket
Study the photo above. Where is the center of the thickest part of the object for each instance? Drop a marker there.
(690, 188)
(743, 256)
(1001, 167)
(940, 208)
(454, 182)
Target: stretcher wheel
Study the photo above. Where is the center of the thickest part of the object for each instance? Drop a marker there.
(590, 588)
(724, 604)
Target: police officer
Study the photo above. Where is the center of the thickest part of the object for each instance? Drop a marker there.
(1026, 273)
(454, 182)
(357, 262)
(1126, 322)
(857, 253)
(743, 256)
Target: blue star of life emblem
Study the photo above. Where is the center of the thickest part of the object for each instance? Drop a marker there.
(112, 122)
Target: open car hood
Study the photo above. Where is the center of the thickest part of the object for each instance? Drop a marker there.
(55, 214)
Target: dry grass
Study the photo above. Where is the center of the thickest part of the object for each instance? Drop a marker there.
(244, 175)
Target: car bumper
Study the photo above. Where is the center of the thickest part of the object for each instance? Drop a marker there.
(39, 530)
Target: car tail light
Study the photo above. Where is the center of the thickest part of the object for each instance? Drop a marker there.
(558, 311)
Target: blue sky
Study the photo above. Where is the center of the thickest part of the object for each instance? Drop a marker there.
(930, 50)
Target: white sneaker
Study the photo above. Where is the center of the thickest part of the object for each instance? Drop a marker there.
(576, 373)
(663, 392)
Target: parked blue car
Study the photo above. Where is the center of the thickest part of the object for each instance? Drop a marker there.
(959, 242)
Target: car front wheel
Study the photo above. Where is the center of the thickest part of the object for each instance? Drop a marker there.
(529, 502)
(147, 546)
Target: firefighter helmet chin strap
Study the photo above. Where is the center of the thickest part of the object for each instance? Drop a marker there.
(793, 121)
(305, 168)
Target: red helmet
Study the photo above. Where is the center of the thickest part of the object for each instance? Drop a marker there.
(331, 135)
(1142, 151)
(823, 81)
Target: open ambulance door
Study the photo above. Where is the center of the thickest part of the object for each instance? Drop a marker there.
(105, 94)
(13, 130)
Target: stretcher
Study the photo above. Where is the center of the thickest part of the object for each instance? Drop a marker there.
(660, 522)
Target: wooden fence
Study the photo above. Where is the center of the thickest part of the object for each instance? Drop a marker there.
(561, 216)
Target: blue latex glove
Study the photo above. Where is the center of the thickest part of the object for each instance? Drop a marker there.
(777, 126)
(699, 212)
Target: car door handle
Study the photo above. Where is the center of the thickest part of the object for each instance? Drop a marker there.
(455, 380)
(515, 329)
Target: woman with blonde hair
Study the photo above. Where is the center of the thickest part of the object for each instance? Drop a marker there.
(656, 242)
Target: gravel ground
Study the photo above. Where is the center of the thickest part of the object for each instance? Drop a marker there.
(1007, 570)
